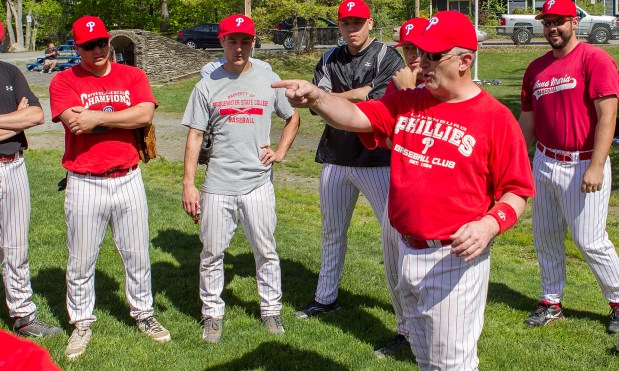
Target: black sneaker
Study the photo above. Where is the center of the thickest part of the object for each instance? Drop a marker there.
(31, 326)
(315, 308)
(393, 347)
(613, 325)
(544, 314)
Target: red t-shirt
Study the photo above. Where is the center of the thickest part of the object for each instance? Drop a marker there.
(123, 87)
(20, 354)
(561, 91)
(449, 161)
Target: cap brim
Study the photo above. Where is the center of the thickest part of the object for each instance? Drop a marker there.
(430, 45)
(540, 16)
(87, 39)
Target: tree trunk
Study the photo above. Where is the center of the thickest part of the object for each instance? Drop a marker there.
(9, 23)
(35, 28)
(28, 29)
(165, 16)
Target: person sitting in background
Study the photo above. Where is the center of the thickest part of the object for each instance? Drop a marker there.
(51, 55)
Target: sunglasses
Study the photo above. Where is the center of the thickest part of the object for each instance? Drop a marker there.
(557, 22)
(434, 57)
(91, 45)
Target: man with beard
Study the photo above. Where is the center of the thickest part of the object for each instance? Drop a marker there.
(569, 105)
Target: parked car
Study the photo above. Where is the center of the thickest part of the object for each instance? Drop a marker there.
(204, 36)
(326, 32)
(481, 35)
(597, 29)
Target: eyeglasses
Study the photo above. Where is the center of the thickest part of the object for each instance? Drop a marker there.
(434, 57)
(91, 45)
(557, 22)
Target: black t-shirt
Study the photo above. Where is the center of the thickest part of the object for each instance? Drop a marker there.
(14, 87)
(53, 56)
(338, 71)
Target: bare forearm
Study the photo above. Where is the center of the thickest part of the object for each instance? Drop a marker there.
(6, 134)
(604, 131)
(130, 118)
(341, 114)
(355, 95)
(288, 134)
(527, 125)
(192, 151)
(22, 119)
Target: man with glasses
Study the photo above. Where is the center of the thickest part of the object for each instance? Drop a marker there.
(357, 71)
(100, 103)
(569, 105)
(452, 188)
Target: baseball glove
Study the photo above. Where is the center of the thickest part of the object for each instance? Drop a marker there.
(206, 149)
(146, 142)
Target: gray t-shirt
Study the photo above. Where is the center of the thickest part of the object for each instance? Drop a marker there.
(213, 65)
(239, 107)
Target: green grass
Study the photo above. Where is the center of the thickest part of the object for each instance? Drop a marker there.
(342, 340)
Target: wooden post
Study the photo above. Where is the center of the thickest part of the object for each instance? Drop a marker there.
(248, 8)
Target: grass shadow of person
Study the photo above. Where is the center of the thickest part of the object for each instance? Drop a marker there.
(180, 283)
(501, 293)
(51, 284)
(277, 356)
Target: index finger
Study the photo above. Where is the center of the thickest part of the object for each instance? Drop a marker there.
(288, 84)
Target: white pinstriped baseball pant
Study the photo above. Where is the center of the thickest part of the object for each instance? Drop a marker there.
(91, 204)
(14, 226)
(559, 205)
(339, 191)
(219, 221)
(444, 299)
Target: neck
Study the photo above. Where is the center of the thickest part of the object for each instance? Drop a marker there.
(354, 50)
(96, 70)
(558, 53)
(460, 93)
(233, 68)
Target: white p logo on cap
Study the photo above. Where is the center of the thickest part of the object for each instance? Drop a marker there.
(433, 21)
(90, 25)
(239, 20)
(409, 28)
(550, 4)
(351, 5)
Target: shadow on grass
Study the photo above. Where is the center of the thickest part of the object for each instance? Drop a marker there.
(501, 293)
(276, 356)
(51, 283)
(180, 283)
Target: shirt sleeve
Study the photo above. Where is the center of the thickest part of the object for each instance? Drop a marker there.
(526, 94)
(602, 76)
(141, 91)
(510, 173)
(283, 108)
(390, 63)
(197, 112)
(382, 114)
(23, 89)
(322, 77)
(62, 96)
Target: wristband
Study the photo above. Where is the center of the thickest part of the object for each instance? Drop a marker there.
(504, 214)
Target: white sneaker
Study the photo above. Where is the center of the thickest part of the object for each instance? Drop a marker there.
(151, 327)
(77, 342)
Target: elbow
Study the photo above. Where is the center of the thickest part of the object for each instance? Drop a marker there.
(37, 117)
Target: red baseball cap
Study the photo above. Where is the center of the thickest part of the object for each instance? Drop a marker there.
(558, 7)
(353, 8)
(236, 23)
(411, 28)
(89, 28)
(446, 30)
(1, 31)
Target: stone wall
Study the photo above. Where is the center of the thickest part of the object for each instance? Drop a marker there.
(163, 59)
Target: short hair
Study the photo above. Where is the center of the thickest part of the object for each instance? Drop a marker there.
(459, 51)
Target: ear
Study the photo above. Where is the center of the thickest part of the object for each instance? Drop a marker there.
(466, 62)
(221, 41)
(370, 24)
